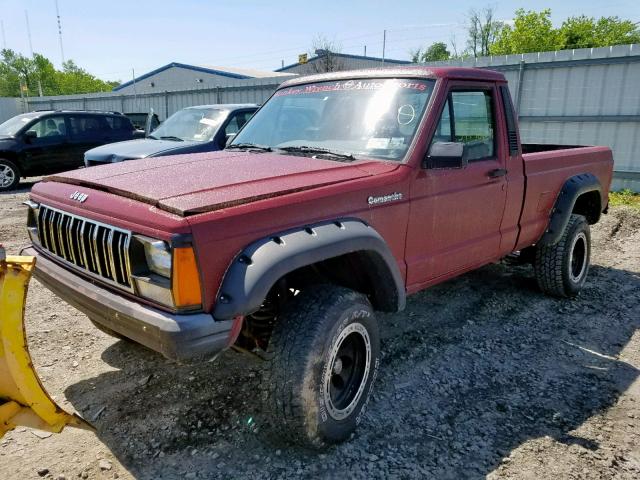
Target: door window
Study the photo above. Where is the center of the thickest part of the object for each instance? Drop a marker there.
(89, 127)
(49, 129)
(468, 118)
(236, 122)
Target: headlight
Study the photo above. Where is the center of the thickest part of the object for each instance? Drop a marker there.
(157, 255)
(32, 220)
(171, 276)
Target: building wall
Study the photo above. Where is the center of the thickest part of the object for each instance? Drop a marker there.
(177, 78)
(342, 62)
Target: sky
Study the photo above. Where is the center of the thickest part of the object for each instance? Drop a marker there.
(110, 39)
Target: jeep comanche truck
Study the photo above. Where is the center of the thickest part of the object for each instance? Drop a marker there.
(343, 194)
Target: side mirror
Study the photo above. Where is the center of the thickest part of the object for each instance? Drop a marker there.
(30, 135)
(445, 155)
(227, 139)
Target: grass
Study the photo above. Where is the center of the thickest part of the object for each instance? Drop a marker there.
(624, 197)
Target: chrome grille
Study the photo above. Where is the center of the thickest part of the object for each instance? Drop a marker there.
(97, 248)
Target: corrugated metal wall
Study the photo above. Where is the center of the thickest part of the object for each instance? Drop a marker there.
(9, 107)
(163, 103)
(571, 97)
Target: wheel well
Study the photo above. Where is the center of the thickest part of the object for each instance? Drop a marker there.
(12, 158)
(363, 271)
(589, 204)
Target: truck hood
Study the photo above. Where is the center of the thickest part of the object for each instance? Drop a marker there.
(134, 149)
(196, 183)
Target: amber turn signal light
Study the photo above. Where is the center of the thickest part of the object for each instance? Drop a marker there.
(185, 281)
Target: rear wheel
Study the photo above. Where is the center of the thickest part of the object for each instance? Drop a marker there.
(323, 360)
(9, 175)
(561, 269)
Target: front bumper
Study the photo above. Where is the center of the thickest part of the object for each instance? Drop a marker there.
(182, 337)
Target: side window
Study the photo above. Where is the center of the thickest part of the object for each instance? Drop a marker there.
(443, 131)
(118, 123)
(467, 118)
(237, 122)
(50, 128)
(88, 127)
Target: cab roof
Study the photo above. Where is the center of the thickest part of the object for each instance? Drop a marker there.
(412, 71)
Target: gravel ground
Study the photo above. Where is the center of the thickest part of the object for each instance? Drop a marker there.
(482, 376)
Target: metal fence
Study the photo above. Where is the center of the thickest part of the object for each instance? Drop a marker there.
(163, 103)
(10, 107)
(571, 97)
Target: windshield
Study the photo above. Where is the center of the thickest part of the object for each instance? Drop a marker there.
(371, 117)
(190, 124)
(13, 125)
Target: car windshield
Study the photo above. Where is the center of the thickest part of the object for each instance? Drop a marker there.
(13, 125)
(190, 124)
(369, 117)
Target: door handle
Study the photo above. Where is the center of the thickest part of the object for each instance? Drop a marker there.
(498, 172)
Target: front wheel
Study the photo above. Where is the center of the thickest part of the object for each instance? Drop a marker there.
(561, 269)
(324, 356)
(9, 175)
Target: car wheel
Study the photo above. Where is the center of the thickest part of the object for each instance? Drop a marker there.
(323, 358)
(561, 269)
(9, 175)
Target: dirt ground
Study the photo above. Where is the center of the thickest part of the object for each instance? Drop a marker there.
(482, 376)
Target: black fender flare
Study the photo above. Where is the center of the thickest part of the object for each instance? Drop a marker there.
(561, 212)
(254, 271)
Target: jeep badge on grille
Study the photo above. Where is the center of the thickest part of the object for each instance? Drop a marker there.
(78, 196)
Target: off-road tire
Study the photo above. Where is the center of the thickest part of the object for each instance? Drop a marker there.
(561, 269)
(9, 166)
(302, 368)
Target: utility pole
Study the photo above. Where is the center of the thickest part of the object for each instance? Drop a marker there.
(384, 43)
(365, 50)
(4, 39)
(135, 94)
(59, 31)
(26, 16)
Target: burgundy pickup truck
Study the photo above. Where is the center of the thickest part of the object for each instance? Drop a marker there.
(344, 193)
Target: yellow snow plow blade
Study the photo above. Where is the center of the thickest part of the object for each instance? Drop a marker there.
(23, 399)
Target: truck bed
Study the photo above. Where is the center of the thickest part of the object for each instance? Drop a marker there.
(546, 168)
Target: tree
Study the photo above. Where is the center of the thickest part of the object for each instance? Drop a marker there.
(16, 70)
(482, 31)
(436, 52)
(531, 32)
(326, 50)
(587, 32)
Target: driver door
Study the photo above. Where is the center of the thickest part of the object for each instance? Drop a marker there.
(47, 151)
(456, 212)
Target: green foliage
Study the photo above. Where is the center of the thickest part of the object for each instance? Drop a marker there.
(16, 70)
(587, 32)
(434, 53)
(533, 32)
(624, 197)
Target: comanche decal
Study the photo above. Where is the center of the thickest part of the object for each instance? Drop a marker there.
(392, 197)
